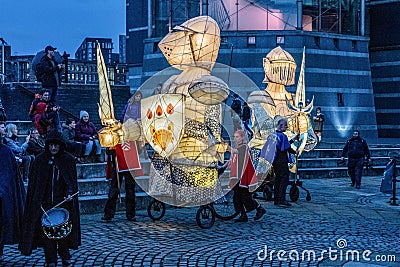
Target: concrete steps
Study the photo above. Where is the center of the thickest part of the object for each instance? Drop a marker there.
(93, 188)
(333, 162)
(336, 172)
(96, 203)
(323, 161)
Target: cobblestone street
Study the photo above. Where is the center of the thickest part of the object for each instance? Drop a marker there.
(338, 219)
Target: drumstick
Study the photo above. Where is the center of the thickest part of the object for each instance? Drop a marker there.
(45, 213)
(63, 201)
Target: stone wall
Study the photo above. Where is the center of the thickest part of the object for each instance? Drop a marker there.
(385, 66)
(71, 97)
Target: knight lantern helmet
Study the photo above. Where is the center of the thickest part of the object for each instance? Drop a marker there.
(193, 43)
(279, 67)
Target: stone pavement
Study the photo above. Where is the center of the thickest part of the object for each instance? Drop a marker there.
(337, 223)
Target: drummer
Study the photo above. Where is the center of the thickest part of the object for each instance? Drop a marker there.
(52, 180)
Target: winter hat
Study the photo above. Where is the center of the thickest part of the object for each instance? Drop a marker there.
(56, 137)
(83, 113)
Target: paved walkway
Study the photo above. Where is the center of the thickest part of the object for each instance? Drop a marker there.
(337, 223)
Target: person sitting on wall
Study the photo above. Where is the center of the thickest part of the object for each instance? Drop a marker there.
(46, 118)
(74, 147)
(19, 150)
(35, 144)
(86, 133)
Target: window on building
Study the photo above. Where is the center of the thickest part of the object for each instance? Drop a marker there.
(251, 41)
(340, 99)
(354, 44)
(317, 41)
(280, 40)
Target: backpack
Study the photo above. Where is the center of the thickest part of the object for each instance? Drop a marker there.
(39, 73)
(37, 69)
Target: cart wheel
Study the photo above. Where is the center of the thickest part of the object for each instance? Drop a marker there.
(205, 217)
(267, 192)
(294, 193)
(308, 197)
(156, 210)
(223, 207)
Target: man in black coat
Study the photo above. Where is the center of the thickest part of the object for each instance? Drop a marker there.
(357, 151)
(53, 179)
(50, 71)
(12, 198)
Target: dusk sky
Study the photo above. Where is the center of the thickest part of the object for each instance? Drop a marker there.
(30, 25)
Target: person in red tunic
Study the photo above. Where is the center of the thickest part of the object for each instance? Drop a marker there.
(122, 163)
(243, 179)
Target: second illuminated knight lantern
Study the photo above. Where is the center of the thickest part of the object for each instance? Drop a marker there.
(275, 102)
(183, 124)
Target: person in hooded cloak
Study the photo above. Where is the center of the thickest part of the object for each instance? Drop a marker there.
(12, 198)
(53, 179)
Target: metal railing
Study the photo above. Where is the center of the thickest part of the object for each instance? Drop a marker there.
(62, 110)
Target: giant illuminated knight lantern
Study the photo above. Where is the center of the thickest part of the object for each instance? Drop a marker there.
(183, 123)
(275, 102)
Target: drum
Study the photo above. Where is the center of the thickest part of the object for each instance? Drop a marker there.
(56, 223)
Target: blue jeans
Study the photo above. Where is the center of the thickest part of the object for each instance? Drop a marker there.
(89, 147)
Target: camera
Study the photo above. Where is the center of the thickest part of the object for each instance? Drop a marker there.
(55, 108)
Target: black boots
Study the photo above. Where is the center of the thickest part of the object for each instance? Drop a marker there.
(260, 212)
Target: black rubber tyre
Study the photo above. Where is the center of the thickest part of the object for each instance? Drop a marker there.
(156, 210)
(294, 193)
(205, 217)
(224, 209)
(267, 192)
